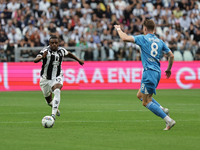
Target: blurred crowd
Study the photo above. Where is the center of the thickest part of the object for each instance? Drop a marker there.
(89, 24)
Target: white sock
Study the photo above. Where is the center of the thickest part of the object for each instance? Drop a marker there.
(161, 107)
(56, 101)
(167, 119)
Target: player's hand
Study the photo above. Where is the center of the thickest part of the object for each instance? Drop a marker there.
(81, 62)
(44, 55)
(168, 73)
(117, 26)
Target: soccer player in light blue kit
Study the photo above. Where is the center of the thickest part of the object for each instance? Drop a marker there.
(151, 48)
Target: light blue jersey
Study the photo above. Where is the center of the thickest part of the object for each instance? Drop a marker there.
(151, 50)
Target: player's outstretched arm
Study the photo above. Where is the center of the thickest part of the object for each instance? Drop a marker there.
(39, 57)
(70, 55)
(124, 36)
(170, 63)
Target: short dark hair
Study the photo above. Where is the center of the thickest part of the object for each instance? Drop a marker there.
(149, 24)
(54, 37)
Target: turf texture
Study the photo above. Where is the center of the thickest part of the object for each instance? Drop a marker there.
(99, 120)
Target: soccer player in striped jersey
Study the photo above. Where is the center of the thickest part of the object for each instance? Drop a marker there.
(151, 48)
(51, 80)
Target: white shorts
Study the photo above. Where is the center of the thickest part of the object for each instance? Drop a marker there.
(46, 85)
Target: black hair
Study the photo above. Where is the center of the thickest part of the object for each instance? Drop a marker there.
(54, 37)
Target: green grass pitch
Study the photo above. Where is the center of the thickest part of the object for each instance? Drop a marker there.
(99, 120)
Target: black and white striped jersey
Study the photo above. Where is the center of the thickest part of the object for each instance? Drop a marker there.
(51, 67)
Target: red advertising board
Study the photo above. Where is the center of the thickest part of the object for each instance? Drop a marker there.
(98, 75)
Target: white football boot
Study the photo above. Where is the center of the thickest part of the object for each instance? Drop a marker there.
(169, 125)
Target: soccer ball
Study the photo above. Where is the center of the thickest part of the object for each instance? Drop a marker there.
(48, 121)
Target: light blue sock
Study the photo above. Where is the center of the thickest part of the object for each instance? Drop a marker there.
(154, 101)
(156, 109)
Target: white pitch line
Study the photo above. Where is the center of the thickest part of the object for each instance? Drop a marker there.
(28, 113)
(120, 121)
(102, 111)
(19, 113)
(176, 104)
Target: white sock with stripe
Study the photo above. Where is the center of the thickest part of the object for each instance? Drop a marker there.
(56, 101)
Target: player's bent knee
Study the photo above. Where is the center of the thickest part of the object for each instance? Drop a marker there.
(56, 91)
(57, 86)
(139, 95)
(144, 103)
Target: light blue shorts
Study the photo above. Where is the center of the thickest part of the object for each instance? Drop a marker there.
(150, 80)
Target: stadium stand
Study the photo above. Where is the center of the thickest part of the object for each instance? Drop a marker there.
(178, 56)
(87, 26)
(187, 56)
